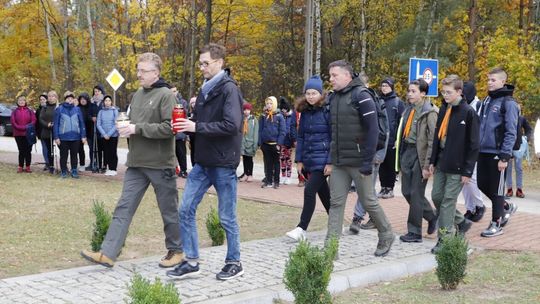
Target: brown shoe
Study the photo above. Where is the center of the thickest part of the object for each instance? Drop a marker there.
(519, 193)
(171, 259)
(301, 184)
(97, 257)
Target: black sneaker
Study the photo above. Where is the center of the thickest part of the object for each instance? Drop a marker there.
(494, 229)
(432, 225)
(468, 215)
(464, 226)
(184, 270)
(355, 225)
(411, 238)
(479, 214)
(230, 271)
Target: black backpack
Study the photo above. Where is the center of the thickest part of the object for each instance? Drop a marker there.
(382, 118)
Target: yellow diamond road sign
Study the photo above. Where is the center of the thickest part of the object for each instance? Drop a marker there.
(115, 79)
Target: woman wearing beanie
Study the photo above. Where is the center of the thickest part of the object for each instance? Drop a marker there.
(20, 119)
(106, 125)
(250, 132)
(313, 151)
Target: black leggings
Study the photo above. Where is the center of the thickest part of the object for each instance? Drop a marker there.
(387, 170)
(489, 180)
(271, 163)
(248, 165)
(109, 153)
(315, 184)
(25, 151)
(81, 154)
(71, 146)
(181, 155)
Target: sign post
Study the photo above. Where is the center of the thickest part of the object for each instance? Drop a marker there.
(115, 80)
(428, 69)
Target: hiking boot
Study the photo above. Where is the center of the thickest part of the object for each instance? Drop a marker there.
(464, 226)
(276, 186)
(411, 238)
(88, 168)
(355, 225)
(171, 259)
(478, 214)
(97, 257)
(230, 271)
(184, 270)
(519, 193)
(297, 234)
(494, 229)
(437, 247)
(432, 225)
(368, 225)
(19, 170)
(512, 208)
(509, 192)
(51, 170)
(383, 246)
(468, 215)
(74, 173)
(389, 194)
(28, 170)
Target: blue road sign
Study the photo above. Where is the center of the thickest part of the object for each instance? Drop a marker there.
(427, 69)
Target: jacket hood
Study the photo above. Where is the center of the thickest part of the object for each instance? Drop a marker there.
(355, 82)
(302, 105)
(161, 83)
(86, 97)
(507, 90)
(274, 102)
(101, 88)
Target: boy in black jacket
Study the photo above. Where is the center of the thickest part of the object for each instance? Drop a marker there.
(454, 153)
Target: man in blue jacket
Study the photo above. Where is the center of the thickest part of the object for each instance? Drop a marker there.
(498, 129)
(217, 123)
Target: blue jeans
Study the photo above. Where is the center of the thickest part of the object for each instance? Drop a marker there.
(45, 150)
(198, 181)
(519, 173)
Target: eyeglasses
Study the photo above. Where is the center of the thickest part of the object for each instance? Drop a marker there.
(444, 93)
(205, 64)
(145, 71)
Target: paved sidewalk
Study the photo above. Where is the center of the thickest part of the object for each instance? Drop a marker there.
(263, 261)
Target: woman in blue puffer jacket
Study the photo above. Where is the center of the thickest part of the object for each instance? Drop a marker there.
(106, 125)
(313, 151)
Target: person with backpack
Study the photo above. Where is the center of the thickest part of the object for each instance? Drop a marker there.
(394, 107)
(23, 119)
(290, 139)
(355, 137)
(416, 134)
(271, 139)
(453, 157)
(524, 132)
(106, 124)
(313, 151)
(68, 132)
(498, 130)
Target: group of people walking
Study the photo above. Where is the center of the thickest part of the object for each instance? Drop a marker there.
(69, 126)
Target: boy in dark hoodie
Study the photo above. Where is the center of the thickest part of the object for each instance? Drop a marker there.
(290, 138)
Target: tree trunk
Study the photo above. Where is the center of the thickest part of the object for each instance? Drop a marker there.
(471, 41)
(49, 40)
(308, 42)
(193, 46)
(227, 23)
(319, 39)
(429, 29)
(67, 64)
(208, 30)
(92, 42)
(520, 23)
(363, 37)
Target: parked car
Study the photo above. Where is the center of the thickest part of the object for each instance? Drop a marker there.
(5, 119)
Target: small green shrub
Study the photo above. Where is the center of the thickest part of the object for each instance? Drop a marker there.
(215, 230)
(308, 270)
(103, 220)
(451, 261)
(142, 291)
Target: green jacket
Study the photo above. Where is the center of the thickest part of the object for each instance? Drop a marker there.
(152, 145)
(425, 130)
(250, 140)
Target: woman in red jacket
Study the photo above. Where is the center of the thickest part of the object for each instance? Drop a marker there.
(20, 119)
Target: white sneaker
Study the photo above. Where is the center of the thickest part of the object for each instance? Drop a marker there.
(297, 234)
(282, 180)
(108, 173)
(112, 173)
(287, 180)
(81, 169)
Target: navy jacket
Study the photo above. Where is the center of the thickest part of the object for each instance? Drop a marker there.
(314, 137)
(290, 129)
(272, 131)
(218, 120)
(498, 129)
(394, 110)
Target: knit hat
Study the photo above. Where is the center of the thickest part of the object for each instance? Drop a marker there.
(314, 83)
(284, 104)
(389, 81)
(247, 106)
(101, 88)
(469, 91)
(68, 94)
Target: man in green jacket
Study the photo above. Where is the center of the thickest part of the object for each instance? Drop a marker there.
(150, 160)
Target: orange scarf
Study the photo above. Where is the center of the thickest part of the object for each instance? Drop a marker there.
(408, 124)
(245, 125)
(270, 116)
(444, 125)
